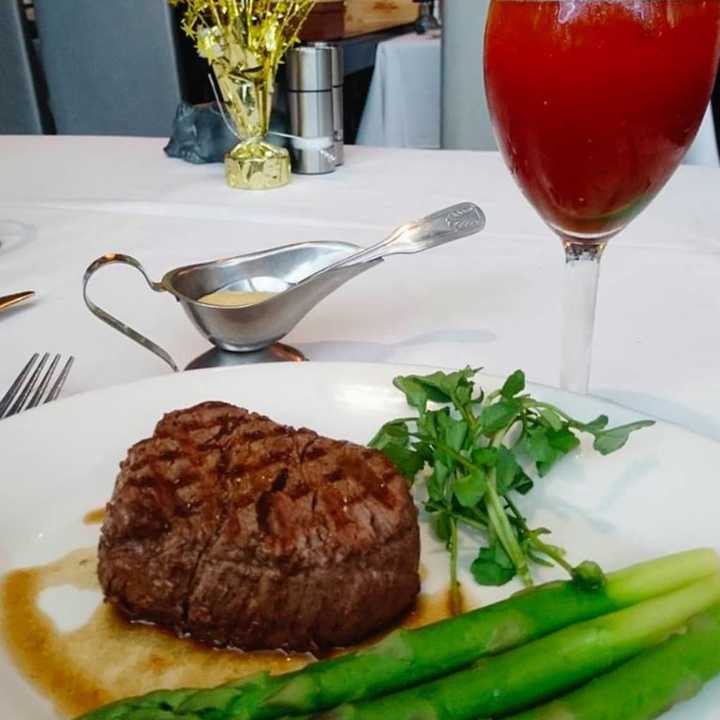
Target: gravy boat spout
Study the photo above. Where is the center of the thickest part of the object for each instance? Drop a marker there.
(289, 272)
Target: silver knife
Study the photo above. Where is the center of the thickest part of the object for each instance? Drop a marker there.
(8, 301)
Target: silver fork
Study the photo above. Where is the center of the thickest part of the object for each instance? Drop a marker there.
(16, 398)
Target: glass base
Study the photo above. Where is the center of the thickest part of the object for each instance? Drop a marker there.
(256, 165)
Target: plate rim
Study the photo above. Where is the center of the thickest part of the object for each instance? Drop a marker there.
(83, 395)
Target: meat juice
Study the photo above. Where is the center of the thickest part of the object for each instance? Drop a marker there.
(595, 102)
(108, 658)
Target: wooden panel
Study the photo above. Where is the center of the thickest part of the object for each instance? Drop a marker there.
(365, 16)
(326, 21)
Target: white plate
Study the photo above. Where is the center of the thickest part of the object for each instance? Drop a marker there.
(658, 495)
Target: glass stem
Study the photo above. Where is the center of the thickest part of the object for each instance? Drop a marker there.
(582, 268)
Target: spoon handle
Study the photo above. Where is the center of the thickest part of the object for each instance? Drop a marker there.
(11, 300)
(452, 223)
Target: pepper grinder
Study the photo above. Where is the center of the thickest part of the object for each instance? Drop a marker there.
(426, 20)
(338, 80)
(309, 79)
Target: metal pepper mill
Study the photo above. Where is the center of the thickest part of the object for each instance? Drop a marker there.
(426, 19)
(310, 100)
(338, 80)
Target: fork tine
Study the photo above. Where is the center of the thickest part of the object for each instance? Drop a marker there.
(18, 405)
(35, 400)
(10, 394)
(58, 386)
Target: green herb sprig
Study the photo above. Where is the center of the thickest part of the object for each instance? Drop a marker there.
(476, 445)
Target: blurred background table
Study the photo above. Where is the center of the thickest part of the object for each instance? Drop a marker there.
(403, 103)
(493, 300)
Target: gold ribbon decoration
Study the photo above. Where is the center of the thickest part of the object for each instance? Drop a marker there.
(244, 41)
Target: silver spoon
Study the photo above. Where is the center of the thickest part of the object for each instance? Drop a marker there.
(451, 223)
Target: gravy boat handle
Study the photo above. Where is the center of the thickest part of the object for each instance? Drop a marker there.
(113, 322)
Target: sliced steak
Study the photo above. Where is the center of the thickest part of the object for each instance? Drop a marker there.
(235, 530)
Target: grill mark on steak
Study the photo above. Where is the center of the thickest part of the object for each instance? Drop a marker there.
(210, 444)
(263, 502)
(232, 432)
(228, 426)
(335, 476)
(193, 573)
(240, 531)
(280, 481)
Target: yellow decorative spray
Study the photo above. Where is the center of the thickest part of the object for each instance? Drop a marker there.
(244, 42)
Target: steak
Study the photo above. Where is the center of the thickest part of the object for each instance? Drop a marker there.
(237, 531)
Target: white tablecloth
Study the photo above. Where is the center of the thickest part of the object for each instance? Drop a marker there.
(403, 103)
(492, 300)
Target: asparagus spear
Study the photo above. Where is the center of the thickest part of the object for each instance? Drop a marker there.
(409, 657)
(541, 669)
(649, 684)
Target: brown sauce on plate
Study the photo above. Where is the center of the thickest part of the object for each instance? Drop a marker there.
(109, 658)
(94, 517)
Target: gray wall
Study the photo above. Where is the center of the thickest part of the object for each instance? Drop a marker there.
(21, 110)
(111, 65)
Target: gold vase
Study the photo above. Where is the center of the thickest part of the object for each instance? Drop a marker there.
(247, 89)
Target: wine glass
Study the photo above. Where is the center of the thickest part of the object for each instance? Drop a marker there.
(594, 103)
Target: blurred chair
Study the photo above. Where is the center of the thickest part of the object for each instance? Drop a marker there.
(465, 117)
(22, 106)
(112, 67)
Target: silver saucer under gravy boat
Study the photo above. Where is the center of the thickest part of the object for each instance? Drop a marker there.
(299, 276)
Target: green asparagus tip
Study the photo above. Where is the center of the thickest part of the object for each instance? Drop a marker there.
(588, 575)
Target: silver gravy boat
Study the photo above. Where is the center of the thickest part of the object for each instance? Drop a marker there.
(300, 275)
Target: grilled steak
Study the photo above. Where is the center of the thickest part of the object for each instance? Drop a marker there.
(238, 531)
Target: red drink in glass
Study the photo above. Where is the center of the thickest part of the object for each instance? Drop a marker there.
(595, 102)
